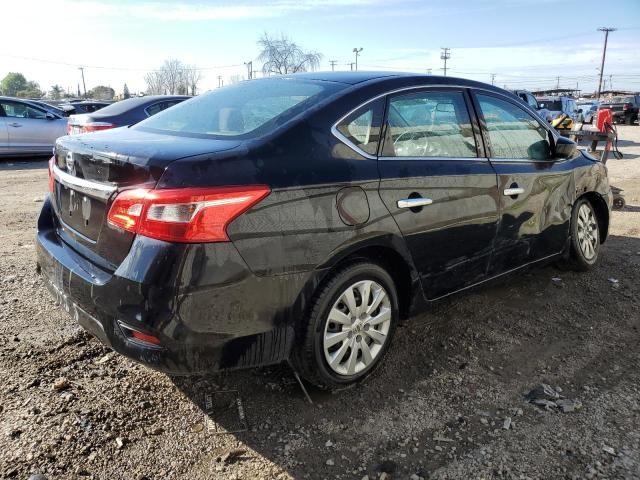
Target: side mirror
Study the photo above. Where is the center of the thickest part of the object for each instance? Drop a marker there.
(564, 148)
(50, 116)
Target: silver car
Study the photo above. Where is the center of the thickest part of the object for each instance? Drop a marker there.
(27, 129)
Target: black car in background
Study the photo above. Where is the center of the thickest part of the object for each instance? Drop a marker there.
(84, 106)
(624, 108)
(303, 217)
(123, 113)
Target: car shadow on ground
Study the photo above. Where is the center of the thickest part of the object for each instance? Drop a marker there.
(475, 350)
(24, 163)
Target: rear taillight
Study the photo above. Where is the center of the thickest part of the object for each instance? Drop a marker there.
(185, 214)
(89, 127)
(52, 179)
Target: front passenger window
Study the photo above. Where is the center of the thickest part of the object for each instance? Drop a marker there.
(512, 131)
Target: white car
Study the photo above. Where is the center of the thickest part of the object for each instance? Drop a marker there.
(27, 128)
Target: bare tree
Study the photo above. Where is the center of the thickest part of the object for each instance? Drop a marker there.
(155, 83)
(173, 78)
(281, 56)
(192, 77)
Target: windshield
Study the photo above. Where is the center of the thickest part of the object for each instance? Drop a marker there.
(620, 100)
(553, 105)
(245, 109)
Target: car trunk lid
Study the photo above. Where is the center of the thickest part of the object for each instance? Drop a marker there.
(91, 169)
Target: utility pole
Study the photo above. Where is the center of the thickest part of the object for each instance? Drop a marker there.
(84, 86)
(610, 82)
(557, 83)
(249, 70)
(351, 65)
(429, 70)
(606, 31)
(493, 79)
(333, 64)
(445, 55)
(357, 52)
(220, 82)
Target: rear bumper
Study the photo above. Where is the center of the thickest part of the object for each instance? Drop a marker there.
(201, 301)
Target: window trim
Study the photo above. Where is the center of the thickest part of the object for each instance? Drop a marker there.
(153, 105)
(344, 139)
(485, 131)
(476, 119)
(480, 152)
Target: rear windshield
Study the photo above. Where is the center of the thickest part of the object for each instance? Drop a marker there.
(553, 105)
(245, 109)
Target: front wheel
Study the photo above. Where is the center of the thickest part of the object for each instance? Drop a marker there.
(585, 236)
(349, 328)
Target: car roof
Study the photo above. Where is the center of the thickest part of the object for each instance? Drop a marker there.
(349, 77)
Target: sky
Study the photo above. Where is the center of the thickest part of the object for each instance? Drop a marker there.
(525, 43)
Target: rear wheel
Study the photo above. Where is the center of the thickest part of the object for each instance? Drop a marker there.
(349, 328)
(585, 236)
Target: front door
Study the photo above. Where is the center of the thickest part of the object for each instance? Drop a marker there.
(29, 128)
(439, 187)
(535, 190)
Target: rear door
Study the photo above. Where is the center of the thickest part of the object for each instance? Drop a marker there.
(439, 187)
(535, 190)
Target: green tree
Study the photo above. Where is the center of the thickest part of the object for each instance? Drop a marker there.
(102, 93)
(13, 83)
(56, 92)
(125, 91)
(32, 90)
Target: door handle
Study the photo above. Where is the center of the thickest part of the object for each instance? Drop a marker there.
(509, 192)
(15, 124)
(414, 202)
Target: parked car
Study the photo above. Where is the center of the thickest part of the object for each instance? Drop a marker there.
(528, 98)
(587, 113)
(85, 106)
(27, 128)
(303, 217)
(48, 107)
(624, 108)
(123, 113)
(557, 105)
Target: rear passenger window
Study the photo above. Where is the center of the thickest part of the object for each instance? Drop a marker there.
(429, 124)
(155, 108)
(362, 127)
(513, 133)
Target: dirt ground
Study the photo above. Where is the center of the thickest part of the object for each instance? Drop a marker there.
(437, 408)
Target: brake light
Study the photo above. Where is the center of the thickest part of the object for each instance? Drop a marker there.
(183, 215)
(89, 127)
(52, 180)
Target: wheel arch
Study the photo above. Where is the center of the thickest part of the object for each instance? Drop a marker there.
(602, 212)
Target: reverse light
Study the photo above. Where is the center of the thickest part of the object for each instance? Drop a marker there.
(183, 215)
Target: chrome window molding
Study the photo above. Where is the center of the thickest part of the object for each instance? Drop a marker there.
(355, 148)
(81, 185)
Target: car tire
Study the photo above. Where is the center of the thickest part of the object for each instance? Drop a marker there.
(341, 342)
(585, 236)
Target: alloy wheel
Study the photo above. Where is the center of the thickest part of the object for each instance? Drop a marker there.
(587, 232)
(357, 328)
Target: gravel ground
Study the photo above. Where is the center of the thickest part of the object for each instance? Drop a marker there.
(449, 402)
